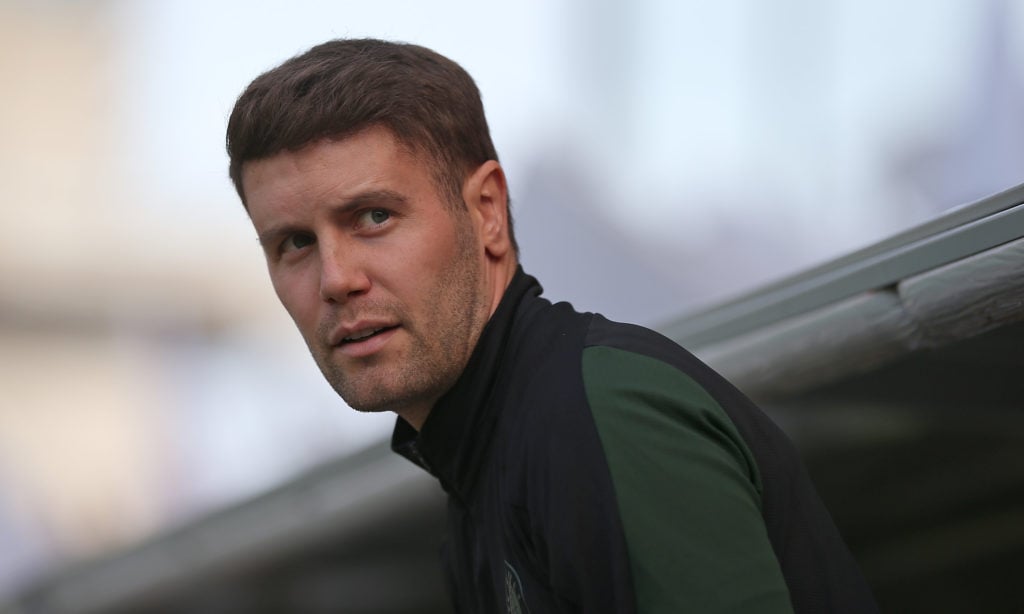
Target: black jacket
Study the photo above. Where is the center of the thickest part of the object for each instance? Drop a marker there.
(595, 467)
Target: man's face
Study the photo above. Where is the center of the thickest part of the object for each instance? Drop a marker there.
(382, 277)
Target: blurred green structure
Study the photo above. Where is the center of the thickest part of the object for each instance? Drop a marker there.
(896, 370)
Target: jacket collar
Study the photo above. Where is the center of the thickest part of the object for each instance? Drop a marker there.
(456, 435)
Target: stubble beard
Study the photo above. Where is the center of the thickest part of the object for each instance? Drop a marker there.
(439, 345)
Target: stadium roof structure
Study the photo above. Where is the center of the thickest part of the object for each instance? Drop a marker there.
(896, 369)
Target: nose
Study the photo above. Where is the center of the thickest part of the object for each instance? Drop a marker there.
(341, 276)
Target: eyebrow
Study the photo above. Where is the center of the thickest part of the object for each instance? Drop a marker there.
(362, 200)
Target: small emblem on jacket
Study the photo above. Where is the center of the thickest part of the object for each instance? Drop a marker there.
(515, 603)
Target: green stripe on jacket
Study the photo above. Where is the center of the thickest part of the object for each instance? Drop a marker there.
(688, 490)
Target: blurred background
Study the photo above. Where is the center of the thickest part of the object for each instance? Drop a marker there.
(662, 156)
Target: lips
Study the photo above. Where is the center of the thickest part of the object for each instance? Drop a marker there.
(364, 334)
(364, 342)
(355, 331)
(363, 338)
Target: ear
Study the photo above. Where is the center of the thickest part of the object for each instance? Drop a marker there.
(486, 195)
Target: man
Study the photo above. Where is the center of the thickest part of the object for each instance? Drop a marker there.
(590, 466)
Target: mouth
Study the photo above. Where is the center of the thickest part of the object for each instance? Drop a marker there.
(364, 339)
(363, 335)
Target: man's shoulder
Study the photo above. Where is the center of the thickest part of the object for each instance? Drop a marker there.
(540, 321)
(640, 340)
(550, 341)
(556, 350)
(636, 378)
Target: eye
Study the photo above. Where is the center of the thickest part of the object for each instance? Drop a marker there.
(297, 241)
(374, 217)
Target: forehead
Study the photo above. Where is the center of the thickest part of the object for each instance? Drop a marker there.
(335, 167)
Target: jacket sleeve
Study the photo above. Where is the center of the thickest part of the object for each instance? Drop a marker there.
(686, 491)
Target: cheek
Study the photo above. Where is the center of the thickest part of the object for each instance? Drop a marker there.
(413, 263)
(299, 294)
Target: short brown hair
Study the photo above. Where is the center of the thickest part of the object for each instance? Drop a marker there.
(430, 104)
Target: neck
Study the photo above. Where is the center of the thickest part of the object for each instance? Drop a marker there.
(415, 416)
(497, 277)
